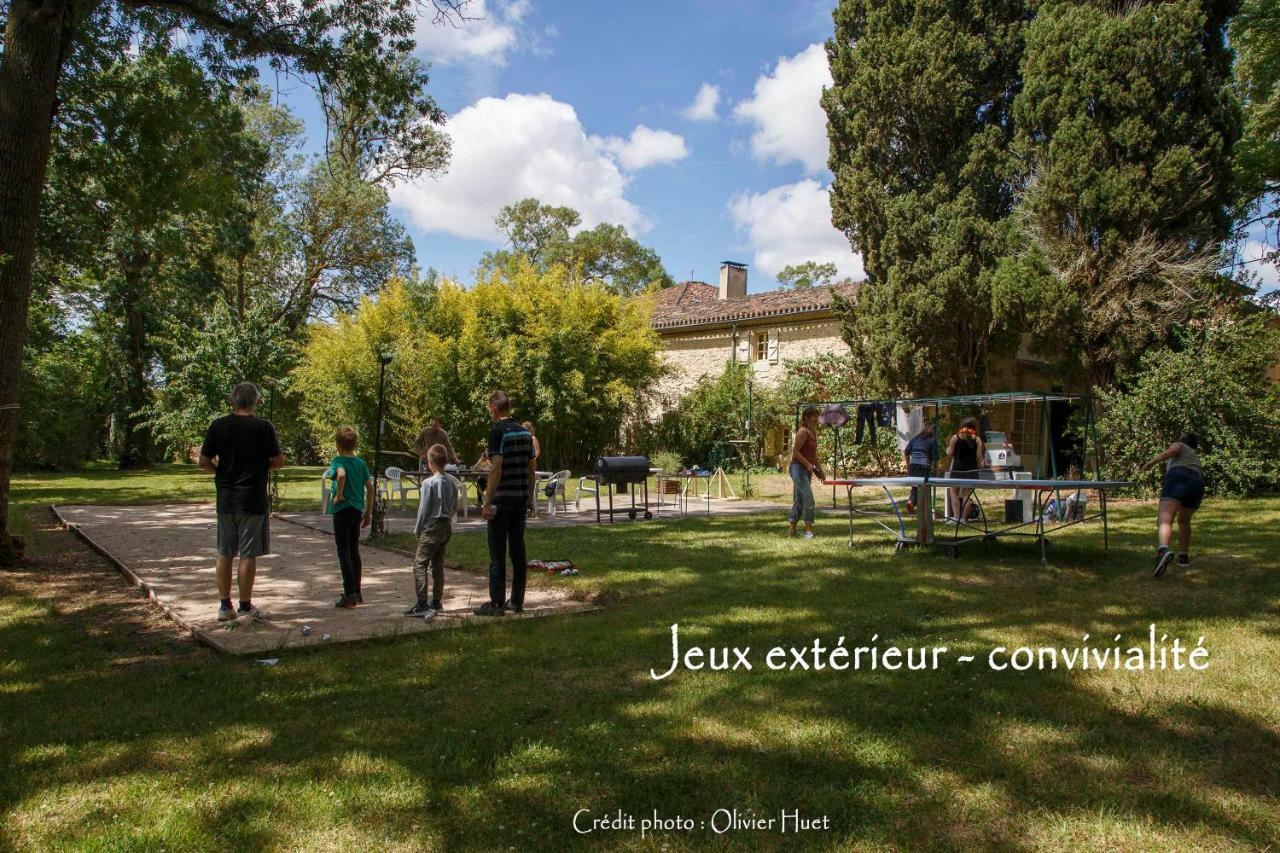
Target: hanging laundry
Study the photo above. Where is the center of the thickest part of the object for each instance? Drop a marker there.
(868, 415)
(910, 422)
(833, 415)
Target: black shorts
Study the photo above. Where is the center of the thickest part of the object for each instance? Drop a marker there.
(1184, 486)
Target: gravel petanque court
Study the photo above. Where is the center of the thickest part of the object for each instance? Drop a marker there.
(169, 551)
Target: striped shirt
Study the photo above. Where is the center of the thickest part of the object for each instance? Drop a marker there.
(514, 443)
(1186, 458)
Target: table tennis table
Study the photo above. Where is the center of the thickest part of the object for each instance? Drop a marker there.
(965, 531)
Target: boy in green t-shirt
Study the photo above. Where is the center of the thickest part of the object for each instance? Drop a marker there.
(352, 509)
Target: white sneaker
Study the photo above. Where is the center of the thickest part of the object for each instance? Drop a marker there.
(226, 614)
(808, 534)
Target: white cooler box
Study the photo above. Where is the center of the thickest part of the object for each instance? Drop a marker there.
(1025, 497)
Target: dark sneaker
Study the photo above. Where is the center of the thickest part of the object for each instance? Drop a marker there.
(514, 608)
(359, 598)
(436, 605)
(1163, 558)
(1184, 559)
(489, 609)
(419, 609)
(226, 614)
(347, 602)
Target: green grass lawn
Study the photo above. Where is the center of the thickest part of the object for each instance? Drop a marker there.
(492, 737)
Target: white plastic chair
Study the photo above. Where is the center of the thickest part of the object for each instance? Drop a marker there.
(558, 479)
(586, 486)
(397, 487)
(326, 491)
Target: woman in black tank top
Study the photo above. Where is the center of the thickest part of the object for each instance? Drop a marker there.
(968, 455)
(965, 457)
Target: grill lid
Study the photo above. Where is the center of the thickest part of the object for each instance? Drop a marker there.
(622, 469)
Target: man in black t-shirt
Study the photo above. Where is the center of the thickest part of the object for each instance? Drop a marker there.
(508, 497)
(240, 449)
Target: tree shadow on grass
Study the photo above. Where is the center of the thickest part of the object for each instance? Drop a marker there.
(518, 725)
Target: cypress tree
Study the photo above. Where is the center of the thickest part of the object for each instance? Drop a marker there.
(1125, 126)
(920, 123)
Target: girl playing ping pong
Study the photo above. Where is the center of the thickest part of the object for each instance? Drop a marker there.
(967, 452)
(1180, 496)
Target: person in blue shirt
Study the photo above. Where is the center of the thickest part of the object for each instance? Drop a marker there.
(352, 509)
(919, 455)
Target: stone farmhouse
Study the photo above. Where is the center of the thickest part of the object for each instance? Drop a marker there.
(704, 326)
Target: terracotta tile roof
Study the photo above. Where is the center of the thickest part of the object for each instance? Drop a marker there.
(687, 293)
(693, 303)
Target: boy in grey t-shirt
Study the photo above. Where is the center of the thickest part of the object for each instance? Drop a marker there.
(438, 503)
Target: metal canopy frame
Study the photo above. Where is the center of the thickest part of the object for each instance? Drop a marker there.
(937, 403)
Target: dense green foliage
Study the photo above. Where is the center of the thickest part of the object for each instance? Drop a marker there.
(211, 360)
(1255, 37)
(358, 57)
(830, 376)
(578, 360)
(920, 123)
(715, 411)
(1212, 382)
(1126, 122)
(183, 223)
(543, 235)
(64, 410)
(806, 274)
(1062, 169)
(150, 164)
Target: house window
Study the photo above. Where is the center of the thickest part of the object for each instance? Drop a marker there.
(766, 346)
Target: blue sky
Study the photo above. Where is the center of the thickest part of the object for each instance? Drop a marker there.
(694, 124)
(591, 104)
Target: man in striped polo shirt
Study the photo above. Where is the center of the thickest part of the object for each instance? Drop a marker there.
(508, 497)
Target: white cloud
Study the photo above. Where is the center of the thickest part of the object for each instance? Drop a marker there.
(785, 109)
(705, 104)
(646, 147)
(1251, 253)
(791, 224)
(520, 146)
(489, 38)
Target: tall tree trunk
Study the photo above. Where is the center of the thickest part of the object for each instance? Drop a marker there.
(35, 38)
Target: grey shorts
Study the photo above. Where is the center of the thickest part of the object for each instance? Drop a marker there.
(242, 535)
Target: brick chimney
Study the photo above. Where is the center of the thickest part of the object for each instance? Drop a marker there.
(733, 280)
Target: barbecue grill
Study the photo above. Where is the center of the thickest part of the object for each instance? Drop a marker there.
(617, 473)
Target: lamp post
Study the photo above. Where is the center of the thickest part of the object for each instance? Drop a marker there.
(379, 525)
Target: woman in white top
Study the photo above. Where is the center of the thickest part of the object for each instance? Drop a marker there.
(1180, 496)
